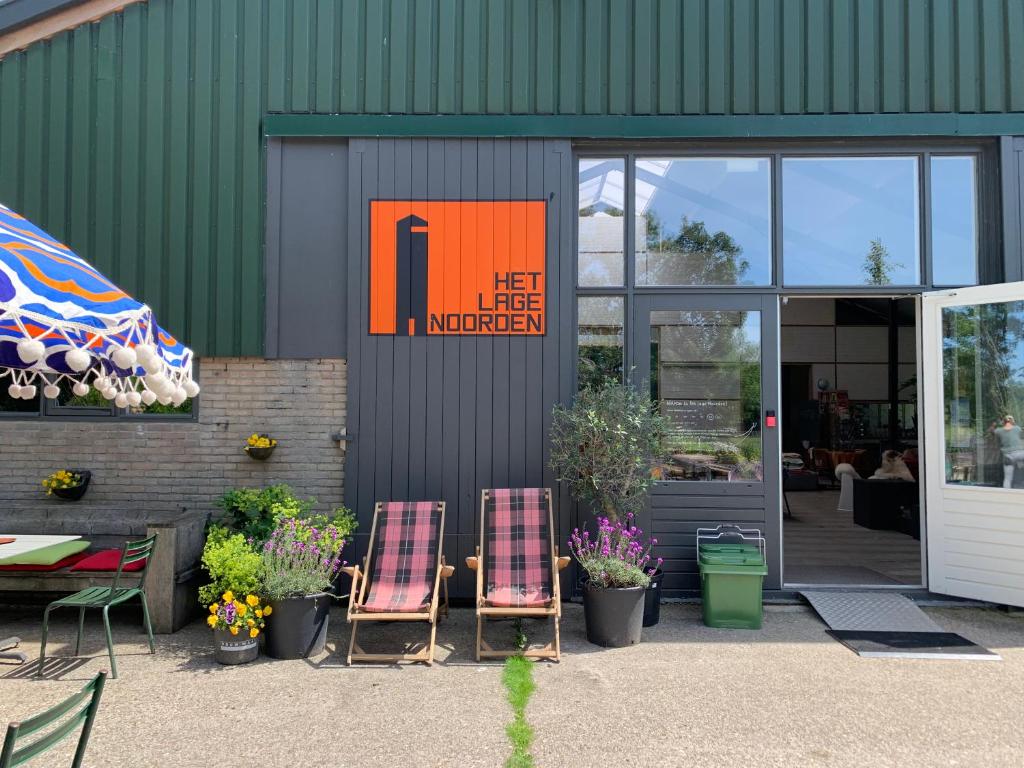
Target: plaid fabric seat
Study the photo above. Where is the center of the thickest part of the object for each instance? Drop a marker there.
(405, 558)
(518, 552)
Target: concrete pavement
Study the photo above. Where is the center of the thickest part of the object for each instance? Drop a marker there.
(787, 695)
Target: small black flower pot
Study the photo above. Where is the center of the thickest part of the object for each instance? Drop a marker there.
(75, 492)
(652, 600)
(260, 454)
(297, 626)
(614, 616)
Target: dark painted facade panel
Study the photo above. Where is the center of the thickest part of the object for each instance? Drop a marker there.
(307, 181)
(443, 416)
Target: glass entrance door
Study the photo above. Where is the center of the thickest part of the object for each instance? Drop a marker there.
(711, 365)
(973, 370)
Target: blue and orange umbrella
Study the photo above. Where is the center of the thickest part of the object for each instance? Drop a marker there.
(63, 323)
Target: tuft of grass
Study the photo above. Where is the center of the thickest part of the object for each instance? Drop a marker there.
(517, 677)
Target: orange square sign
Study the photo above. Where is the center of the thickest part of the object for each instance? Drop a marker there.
(462, 267)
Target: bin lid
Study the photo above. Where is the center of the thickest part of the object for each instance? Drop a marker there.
(729, 558)
(730, 549)
(733, 570)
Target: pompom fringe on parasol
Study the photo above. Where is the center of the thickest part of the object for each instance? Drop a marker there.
(62, 323)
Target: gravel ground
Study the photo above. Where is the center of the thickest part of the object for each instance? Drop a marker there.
(688, 696)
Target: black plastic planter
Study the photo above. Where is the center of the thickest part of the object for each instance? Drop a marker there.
(75, 492)
(614, 616)
(297, 626)
(652, 600)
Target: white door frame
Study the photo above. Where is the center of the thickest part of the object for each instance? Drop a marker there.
(961, 541)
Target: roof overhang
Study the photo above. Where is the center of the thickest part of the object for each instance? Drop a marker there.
(24, 22)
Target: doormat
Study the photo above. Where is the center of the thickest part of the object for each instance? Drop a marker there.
(913, 645)
(889, 625)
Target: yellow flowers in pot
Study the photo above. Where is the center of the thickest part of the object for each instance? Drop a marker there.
(246, 616)
(260, 441)
(260, 446)
(62, 478)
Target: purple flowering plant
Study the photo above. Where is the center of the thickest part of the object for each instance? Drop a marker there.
(618, 556)
(301, 558)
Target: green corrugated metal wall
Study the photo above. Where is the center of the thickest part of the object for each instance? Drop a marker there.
(138, 139)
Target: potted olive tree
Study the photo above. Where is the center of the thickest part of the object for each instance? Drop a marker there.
(606, 447)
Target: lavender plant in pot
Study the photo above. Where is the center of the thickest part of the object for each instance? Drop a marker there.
(619, 568)
(300, 561)
(607, 447)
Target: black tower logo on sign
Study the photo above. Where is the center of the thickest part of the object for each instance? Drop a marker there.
(411, 277)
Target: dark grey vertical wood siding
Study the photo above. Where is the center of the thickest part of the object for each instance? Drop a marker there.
(441, 417)
(1012, 151)
(307, 183)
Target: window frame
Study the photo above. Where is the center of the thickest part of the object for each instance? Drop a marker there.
(49, 410)
(990, 267)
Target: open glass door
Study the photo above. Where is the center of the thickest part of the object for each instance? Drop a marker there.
(973, 393)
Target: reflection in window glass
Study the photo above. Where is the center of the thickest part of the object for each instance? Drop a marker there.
(983, 392)
(706, 379)
(601, 234)
(600, 339)
(954, 221)
(91, 400)
(703, 221)
(10, 404)
(850, 221)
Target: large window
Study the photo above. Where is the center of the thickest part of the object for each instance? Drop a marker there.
(983, 393)
(851, 221)
(703, 221)
(706, 379)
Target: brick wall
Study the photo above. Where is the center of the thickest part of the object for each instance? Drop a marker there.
(161, 465)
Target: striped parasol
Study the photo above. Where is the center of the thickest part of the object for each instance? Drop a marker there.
(63, 323)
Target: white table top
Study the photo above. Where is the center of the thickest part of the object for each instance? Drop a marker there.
(29, 542)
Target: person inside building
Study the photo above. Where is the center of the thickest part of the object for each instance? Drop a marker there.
(1009, 439)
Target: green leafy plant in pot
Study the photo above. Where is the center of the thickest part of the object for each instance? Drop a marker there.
(607, 447)
(237, 614)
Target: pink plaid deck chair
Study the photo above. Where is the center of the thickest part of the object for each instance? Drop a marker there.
(401, 574)
(517, 565)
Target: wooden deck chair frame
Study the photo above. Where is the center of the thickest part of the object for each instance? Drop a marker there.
(553, 649)
(358, 594)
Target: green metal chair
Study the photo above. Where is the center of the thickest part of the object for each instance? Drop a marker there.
(88, 697)
(105, 597)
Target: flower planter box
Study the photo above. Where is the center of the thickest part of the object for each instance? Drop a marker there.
(259, 454)
(234, 649)
(297, 626)
(614, 616)
(75, 492)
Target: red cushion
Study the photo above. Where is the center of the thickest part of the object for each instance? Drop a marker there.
(107, 560)
(69, 560)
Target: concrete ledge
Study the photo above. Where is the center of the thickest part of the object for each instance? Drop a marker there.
(170, 581)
